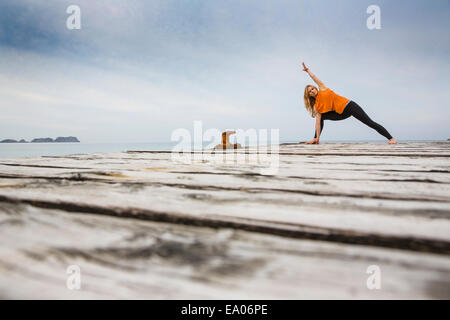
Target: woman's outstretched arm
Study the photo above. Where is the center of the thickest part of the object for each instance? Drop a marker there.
(321, 128)
(316, 80)
(318, 128)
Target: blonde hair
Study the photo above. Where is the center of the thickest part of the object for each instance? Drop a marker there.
(309, 101)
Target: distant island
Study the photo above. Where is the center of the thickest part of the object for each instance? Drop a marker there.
(43, 140)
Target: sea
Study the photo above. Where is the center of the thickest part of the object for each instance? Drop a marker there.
(32, 150)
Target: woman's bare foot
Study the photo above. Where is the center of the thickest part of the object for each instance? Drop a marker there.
(392, 141)
(313, 141)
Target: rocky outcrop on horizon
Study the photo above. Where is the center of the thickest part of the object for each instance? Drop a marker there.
(67, 139)
(43, 140)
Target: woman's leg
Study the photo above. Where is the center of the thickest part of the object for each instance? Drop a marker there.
(331, 115)
(355, 110)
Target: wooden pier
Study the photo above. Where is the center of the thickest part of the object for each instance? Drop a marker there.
(144, 225)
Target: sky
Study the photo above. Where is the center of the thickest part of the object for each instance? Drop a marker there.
(138, 70)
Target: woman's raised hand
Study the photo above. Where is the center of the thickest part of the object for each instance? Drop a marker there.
(304, 67)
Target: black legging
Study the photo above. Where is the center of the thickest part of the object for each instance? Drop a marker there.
(353, 109)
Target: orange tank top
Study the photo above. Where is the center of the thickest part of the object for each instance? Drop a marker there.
(327, 100)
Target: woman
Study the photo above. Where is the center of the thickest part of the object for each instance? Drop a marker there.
(324, 104)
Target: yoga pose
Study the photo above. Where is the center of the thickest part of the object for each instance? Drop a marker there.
(324, 104)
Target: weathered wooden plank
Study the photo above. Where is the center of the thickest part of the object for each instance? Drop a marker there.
(375, 196)
(128, 258)
(400, 217)
(399, 206)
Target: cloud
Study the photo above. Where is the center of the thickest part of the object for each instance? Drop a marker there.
(149, 67)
